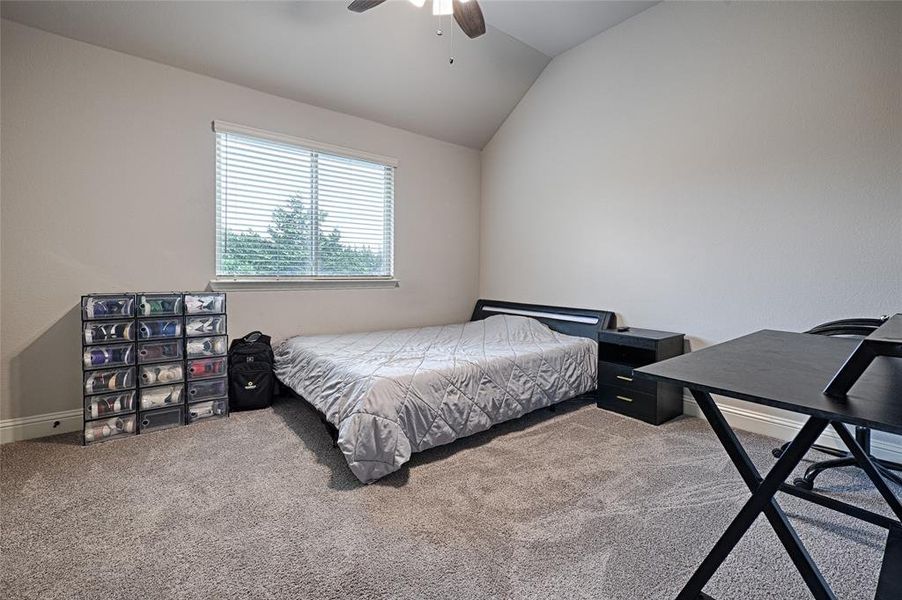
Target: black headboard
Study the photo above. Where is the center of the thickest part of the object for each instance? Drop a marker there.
(582, 322)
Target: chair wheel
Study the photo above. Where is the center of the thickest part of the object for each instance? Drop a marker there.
(803, 483)
(777, 452)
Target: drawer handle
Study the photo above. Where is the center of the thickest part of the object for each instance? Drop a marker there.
(624, 378)
(624, 398)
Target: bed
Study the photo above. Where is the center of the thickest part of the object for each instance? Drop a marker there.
(391, 393)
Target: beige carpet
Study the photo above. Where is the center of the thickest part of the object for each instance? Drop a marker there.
(575, 504)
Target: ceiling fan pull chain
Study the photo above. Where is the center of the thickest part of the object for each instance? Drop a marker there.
(451, 53)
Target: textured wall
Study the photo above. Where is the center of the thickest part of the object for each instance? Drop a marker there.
(108, 184)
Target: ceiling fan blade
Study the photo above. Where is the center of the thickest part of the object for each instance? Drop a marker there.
(469, 16)
(359, 6)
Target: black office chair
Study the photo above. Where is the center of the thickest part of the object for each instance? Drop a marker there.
(847, 328)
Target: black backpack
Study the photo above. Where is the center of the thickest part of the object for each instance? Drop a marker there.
(252, 383)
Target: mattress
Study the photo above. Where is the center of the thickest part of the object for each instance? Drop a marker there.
(392, 393)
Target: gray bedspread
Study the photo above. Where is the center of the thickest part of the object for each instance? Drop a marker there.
(391, 393)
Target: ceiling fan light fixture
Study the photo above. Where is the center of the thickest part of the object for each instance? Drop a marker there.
(442, 7)
(467, 13)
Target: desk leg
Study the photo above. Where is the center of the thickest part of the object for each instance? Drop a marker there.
(762, 500)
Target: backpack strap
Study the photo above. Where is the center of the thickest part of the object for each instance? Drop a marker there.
(257, 336)
(251, 338)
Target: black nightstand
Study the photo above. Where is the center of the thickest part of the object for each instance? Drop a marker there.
(619, 352)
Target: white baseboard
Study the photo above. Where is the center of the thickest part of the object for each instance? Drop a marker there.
(883, 445)
(35, 426)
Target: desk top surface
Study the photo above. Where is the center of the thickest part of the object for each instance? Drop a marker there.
(790, 371)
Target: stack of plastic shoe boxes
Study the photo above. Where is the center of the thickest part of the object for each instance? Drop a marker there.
(206, 346)
(108, 363)
(161, 361)
(147, 357)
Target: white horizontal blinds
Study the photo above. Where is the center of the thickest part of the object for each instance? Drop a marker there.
(354, 199)
(263, 198)
(290, 211)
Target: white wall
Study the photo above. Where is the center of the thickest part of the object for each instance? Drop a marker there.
(108, 184)
(710, 168)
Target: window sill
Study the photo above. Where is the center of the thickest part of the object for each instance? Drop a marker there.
(251, 284)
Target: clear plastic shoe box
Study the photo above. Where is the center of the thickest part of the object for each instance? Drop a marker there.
(163, 351)
(107, 429)
(205, 303)
(104, 406)
(160, 305)
(107, 306)
(160, 374)
(160, 329)
(202, 325)
(164, 418)
(210, 409)
(109, 380)
(151, 361)
(207, 368)
(107, 332)
(162, 396)
(207, 389)
(206, 347)
(106, 356)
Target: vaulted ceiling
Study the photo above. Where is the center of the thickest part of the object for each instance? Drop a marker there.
(387, 64)
(555, 26)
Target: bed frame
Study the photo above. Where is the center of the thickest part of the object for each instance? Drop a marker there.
(580, 322)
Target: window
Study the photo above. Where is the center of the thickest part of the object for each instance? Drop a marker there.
(294, 209)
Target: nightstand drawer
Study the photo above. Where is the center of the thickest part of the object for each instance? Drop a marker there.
(639, 405)
(621, 376)
(616, 338)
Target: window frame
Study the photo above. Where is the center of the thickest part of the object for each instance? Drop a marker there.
(269, 282)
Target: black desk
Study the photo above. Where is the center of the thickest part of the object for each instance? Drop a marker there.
(790, 371)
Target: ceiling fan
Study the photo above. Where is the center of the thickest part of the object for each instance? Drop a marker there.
(466, 12)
